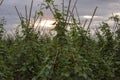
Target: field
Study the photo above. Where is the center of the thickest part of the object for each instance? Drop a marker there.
(72, 54)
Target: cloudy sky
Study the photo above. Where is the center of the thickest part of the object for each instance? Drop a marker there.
(85, 9)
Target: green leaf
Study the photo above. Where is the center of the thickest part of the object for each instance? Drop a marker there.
(34, 78)
(49, 1)
(40, 13)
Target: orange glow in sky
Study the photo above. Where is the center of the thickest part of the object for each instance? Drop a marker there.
(47, 23)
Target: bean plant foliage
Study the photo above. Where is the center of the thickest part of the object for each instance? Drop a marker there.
(72, 54)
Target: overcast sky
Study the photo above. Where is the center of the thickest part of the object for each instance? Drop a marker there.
(85, 8)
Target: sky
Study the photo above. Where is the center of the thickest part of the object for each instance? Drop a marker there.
(85, 9)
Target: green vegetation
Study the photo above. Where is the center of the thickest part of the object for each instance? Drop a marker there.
(71, 55)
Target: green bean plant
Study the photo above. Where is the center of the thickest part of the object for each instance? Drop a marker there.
(71, 54)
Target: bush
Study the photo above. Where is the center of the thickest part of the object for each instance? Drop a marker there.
(70, 55)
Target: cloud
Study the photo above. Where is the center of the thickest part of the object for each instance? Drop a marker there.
(108, 1)
(85, 8)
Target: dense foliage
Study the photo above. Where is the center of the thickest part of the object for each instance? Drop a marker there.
(71, 55)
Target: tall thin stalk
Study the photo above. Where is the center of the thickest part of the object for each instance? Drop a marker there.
(92, 18)
(1, 2)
